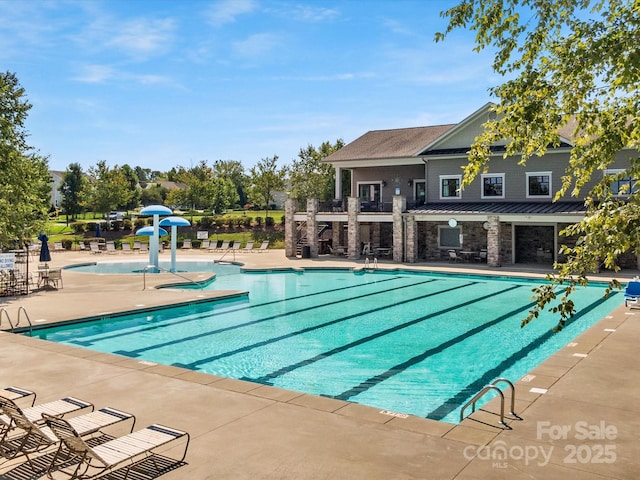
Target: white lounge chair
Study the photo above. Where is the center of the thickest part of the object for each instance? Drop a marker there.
(186, 243)
(453, 256)
(205, 244)
(248, 247)
(23, 436)
(126, 248)
(224, 247)
(78, 460)
(111, 248)
(263, 246)
(95, 249)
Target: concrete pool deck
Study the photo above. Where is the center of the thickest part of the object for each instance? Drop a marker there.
(580, 417)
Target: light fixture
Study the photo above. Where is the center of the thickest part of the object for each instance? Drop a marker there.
(384, 183)
(453, 223)
(410, 183)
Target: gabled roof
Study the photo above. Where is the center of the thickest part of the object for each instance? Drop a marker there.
(395, 143)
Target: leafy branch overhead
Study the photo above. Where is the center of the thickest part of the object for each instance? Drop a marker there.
(571, 73)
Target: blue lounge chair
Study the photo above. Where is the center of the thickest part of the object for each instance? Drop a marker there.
(632, 293)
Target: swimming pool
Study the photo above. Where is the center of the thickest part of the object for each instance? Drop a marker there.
(416, 343)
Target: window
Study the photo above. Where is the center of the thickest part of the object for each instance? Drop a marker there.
(621, 187)
(492, 185)
(450, 186)
(538, 184)
(449, 237)
(369, 196)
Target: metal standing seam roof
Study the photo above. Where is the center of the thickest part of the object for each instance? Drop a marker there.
(498, 208)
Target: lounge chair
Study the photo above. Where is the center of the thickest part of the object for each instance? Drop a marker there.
(95, 249)
(186, 243)
(57, 407)
(17, 393)
(263, 246)
(126, 248)
(632, 294)
(57, 246)
(144, 247)
(22, 436)
(136, 245)
(224, 247)
(248, 248)
(55, 277)
(482, 256)
(236, 246)
(80, 461)
(205, 244)
(111, 248)
(453, 256)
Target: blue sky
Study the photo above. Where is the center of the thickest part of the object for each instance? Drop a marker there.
(164, 83)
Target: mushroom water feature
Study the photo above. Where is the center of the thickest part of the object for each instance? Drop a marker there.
(154, 243)
(174, 223)
(150, 232)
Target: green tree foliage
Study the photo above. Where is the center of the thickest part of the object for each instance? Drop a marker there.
(154, 194)
(110, 189)
(233, 170)
(134, 188)
(24, 176)
(310, 177)
(266, 178)
(73, 189)
(568, 65)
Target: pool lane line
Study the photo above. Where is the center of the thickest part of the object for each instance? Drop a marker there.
(136, 352)
(282, 371)
(207, 313)
(401, 367)
(246, 348)
(474, 387)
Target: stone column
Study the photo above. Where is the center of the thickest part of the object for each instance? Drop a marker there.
(399, 206)
(336, 234)
(353, 228)
(289, 228)
(312, 226)
(494, 256)
(411, 237)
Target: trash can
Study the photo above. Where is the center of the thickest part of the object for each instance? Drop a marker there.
(306, 251)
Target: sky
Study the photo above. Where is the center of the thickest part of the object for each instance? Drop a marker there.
(166, 83)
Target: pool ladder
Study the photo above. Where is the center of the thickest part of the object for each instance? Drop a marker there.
(492, 387)
(21, 310)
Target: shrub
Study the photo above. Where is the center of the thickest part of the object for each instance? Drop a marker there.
(269, 222)
(126, 225)
(258, 221)
(139, 223)
(207, 222)
(66, 244)
(79, 227)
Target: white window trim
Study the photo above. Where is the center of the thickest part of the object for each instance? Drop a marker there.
(372, 182)
(539, 174)
(448, 177)
(491, 175)
(449, 247)
(613, 172)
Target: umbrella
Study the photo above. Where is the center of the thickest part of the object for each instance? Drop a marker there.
(45, 255)
(98, 230)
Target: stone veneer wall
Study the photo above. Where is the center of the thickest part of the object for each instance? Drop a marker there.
(289, 228)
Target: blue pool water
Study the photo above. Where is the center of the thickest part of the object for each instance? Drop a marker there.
(417, 343)
(137, 266)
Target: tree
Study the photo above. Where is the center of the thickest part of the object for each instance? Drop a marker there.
(266, 178)
(233, 170)
(110, 189)
(73, 189)
(310, 177)
(25, 183)
(567, 64)
(154, 195)
(134, 187)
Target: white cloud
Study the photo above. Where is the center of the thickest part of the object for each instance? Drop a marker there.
(308, 13)
(256, 45)
(95, 74)
(226, 11)
(100, 74)
(143, 36)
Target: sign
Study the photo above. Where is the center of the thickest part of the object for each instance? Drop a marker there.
(203, 235)
(7, 261)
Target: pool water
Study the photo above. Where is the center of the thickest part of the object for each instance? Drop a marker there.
(408, 342)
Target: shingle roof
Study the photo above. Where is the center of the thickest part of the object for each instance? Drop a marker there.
(498, 208)
(395, 143)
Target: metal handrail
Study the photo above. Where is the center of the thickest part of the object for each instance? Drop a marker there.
(20, 310)
(489, 388)
(6, 314)
(230, 249)
(148, 267)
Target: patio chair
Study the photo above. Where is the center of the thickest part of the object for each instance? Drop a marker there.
(55, 277)
(126, 248)
(453, 257)
(111, 248)
(144, 247)
(57, 247)
(136, 245)
(82, 246)
(58, 408)
(17, 393)
(78, 460)
(224, 247)
(248, 247)
(236, 246)
(632, 293)
(24, 437)
(263, 246)
(95, 249)
(186, 243)
(205, 244)
(482, 255)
